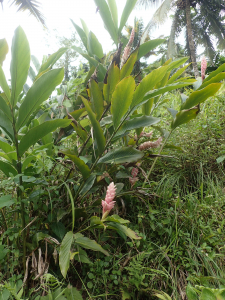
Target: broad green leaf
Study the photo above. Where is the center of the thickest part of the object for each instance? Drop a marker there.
(4, 48)
(77, 113)
(124, 230)
(126, 12)
(172, 111)
(176, 63)
(27, 161)
(64, 253)
(116, 219)
(121, 155)
(79, 130)
(39, 92)
(88, 184)
(83, 168)
(129, 64)
(148, 106)
(214, 73)
(201, 95)
(72, 293)
(162, 90)
(96, 98)
(6, 125)
(4, 85)
(38, 132)
(6, 201)
(184, 116)
(215, 79)
(5, 146)
(35, 62)
(87, 243)
(91, 71)
(207, 294)
(98, 133)
(148, 46)
(107, 19)
(82, 34)
(85, 28)
(5, 108)
(7, 168)
(94, 46)
(148, 83)
(20, 63)
(177, 74)
(163, 296)
(121, 99)
(112, 79)
(3, 253)
(137, 122)
(114, 13)
(52, 60)
(190, 292)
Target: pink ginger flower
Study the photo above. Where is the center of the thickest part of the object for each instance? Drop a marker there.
(108, 203)
(127, 49)
(134, 172)
(203, 67)
(150, 144)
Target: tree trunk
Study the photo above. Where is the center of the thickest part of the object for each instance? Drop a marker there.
(190, 38)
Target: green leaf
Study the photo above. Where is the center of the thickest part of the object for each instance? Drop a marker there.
(7, 168)
(177, 74)
(6, 201)
(112, 80)
(72, 293)
(87, 243)
(4, 48)
(27, 161)
(3, 253)
(201, 95)
(124, 230)
(219, 77)
(114, 13)
(107, 19)
(85, 28)
(190, 292)
(82, 257)
(94, 46)
(52, 60)
(213, 74)
(39, 92)
(207, 294)
(126, 12)
(122, 155)
(148, 46)
(163, 90)
(4, 85)
(88, 184)
(98, 133)
(121, 99)
(116, 219)
(172, 111)
(6, 125)
(148, 83)
(96, 98)
(220, 159)
(64, 253)
(4, 107)
(20, 63)
(83, 35)
(129, 64)
(137, 122)
(38, 132)
(176, 63)
(184, 116)
(83, 168)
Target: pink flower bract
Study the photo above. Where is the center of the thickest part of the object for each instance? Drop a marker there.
(108, 203)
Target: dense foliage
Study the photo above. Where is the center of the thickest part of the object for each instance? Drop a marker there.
(107, 190)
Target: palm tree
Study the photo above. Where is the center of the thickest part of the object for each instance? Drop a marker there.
(201, 18)
(32, 6)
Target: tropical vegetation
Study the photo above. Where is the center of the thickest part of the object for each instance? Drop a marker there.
(111, 175)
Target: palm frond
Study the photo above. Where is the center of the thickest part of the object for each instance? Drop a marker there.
(148, 3)
(158, 18)
(32, 6)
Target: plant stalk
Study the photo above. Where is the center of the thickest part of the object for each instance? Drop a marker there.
(155, 160)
